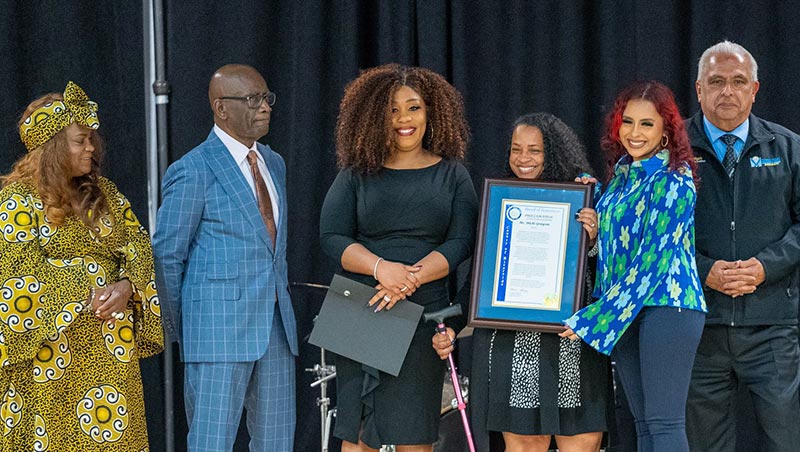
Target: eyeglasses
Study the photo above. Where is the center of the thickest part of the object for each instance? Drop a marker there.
(254, 100)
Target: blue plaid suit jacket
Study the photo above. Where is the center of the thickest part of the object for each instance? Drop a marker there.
(218, 274)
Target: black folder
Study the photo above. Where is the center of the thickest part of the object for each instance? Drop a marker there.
(348, 327)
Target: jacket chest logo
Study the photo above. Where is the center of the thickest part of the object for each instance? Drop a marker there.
(758, 162)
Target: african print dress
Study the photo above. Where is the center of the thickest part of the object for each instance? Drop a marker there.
(69, 381)
(646, 255)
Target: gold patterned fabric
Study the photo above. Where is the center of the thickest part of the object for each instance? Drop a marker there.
(49, 119)
(69, 381)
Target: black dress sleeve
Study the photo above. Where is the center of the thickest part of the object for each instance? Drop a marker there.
(461, 232)
(337, 222)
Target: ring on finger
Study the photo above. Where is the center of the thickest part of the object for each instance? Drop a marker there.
(387, 298)
(403, 289)
(592, 225)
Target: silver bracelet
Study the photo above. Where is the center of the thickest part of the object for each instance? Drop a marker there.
(375, 268)
(595, 249)
(87, 305)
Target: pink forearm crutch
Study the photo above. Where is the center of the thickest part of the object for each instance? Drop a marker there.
(438, 317)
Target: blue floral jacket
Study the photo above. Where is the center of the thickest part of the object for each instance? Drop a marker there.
(646, 255)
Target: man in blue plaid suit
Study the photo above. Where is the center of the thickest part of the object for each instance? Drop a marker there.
(222, 273)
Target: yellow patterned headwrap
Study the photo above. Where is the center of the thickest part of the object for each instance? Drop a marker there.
(46, 121)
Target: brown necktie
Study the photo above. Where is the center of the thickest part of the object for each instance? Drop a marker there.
(262, 196)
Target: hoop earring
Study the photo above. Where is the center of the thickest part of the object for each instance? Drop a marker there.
(664, 141)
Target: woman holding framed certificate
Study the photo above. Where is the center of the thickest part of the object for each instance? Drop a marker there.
(651, 310)
(400, 216)
(539, 384)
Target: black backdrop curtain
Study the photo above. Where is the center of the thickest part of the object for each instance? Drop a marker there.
(506, 58)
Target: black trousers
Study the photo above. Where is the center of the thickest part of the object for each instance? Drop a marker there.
(766, 361)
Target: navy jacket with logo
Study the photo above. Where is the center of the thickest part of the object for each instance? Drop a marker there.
(754, 214)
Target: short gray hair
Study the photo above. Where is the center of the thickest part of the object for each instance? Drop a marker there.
(726, 48)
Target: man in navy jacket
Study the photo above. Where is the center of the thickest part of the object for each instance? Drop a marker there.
(748, 250)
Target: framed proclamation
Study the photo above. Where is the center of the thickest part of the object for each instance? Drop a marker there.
(530, 257)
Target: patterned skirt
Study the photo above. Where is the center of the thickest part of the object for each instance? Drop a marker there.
(541, 384)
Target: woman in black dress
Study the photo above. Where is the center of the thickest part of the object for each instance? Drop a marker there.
(400, 216)
(539, 384)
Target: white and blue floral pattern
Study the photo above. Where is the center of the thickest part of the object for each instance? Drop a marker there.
(647, 254)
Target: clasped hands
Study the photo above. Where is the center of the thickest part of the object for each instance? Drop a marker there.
(736, 278)
(111, 301)
(396, 282)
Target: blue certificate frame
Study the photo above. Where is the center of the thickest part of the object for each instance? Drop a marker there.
(530, 257)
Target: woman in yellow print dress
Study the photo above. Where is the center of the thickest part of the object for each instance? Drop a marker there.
(78, 303)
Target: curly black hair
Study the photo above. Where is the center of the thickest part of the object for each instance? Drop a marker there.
(363, 141)
(564, 155)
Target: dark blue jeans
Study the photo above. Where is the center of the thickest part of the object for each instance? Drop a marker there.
(654, 361)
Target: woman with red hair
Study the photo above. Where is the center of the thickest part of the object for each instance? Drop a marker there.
(651, 310)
